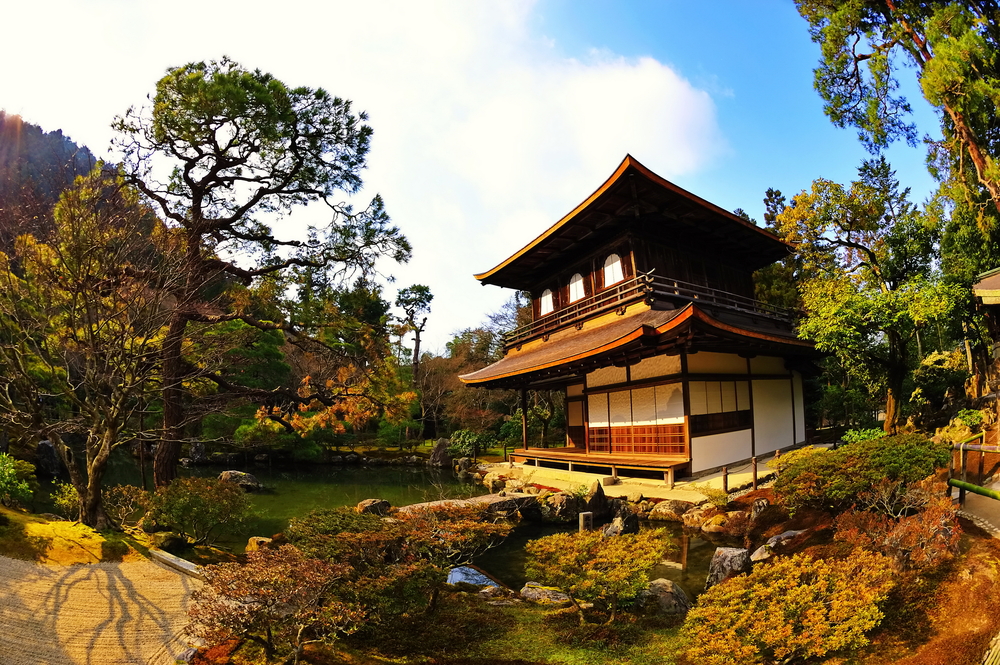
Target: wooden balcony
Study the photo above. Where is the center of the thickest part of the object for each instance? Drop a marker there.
(650, 288)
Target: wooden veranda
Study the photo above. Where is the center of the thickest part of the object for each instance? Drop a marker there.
(579, 457)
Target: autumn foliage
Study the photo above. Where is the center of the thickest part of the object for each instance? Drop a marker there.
(279, 599)
(589, 566)
(787, 611)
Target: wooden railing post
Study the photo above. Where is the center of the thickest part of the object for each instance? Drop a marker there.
(725, 479)
(753, 465)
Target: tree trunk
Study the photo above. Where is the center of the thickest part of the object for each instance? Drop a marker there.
(168, 451)
(896, 374)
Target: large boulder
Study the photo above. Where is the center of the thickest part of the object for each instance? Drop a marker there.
(727, 562)
(439, 456)
(670, 510)
(663, 596)
(495, 481)
(696, 516)
(248, 482)
(544, 595)
(463, 464)
(196, 452)
(559, 507)
(622, 525)
(47, 459)
(378, 507)
(168, 541)
(258, 543)
(596, 501)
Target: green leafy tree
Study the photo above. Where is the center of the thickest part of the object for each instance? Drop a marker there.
(868, 255)
(790, 610)
(279, 599)
(951, 46)
(82, 311)
(200, 508)
(415, 301)
(589, 566)
(242, 149)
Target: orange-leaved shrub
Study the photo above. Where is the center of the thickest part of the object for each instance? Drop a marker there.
(923, 536)
(792, 609)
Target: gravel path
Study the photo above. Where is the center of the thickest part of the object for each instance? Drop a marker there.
(96, 614)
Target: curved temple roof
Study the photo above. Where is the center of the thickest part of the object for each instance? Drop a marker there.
(642, 334)
(634, 194)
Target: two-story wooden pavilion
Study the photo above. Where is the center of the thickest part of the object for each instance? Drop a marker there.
(643, 313)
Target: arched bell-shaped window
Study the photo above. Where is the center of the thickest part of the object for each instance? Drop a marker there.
(576, 291)
(545, 304)
(613, 270)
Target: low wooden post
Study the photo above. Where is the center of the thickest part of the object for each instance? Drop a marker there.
(586, 522)
(982, 467)
(668, 477)
(725, 479)
(965, 472)
(753, 465)
(685, 546)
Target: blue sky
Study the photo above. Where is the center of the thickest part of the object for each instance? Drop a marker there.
(492, 119)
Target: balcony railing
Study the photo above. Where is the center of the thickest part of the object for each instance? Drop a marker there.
(644, 287)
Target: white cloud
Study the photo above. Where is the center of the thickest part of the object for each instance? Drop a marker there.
(485, 134)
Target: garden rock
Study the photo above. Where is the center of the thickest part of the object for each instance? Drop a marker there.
(351, 458)
(494, 481)
(622, 525)
(196, 452)
(378, 507)
(727, 562)
(544, 595)
(782, 538)
(258, 543)
(559, 507)
(463, 464)
(596, 501)
(168, 541)
(46, 459)
(716, 523)
(336, 459)
(465, 477)
(670, 510)
(439, 456)
(762, 553)
(759, 506)
(696, 516)
(245, 480)
(664, 596)
(469, 575)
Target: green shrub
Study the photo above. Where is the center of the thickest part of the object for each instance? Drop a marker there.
(971, 418)
(15, 488)
(715, 495)
(66, 500)
(199, 508)
(834, 478)
(464, 443)
(792, 610)
(855, 435)
(937, 374)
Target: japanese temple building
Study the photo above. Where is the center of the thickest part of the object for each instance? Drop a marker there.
(643, 313)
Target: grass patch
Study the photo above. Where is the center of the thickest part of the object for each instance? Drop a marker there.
(33, 538)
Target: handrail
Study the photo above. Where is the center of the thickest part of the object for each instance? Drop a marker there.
(641, 287)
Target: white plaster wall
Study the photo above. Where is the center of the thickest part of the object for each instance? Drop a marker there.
(767, 365)
(772, 415)
(644, 406)
(670, 404)
(597, 410)
(574, 414)
(705, 362)
(719, 449)
(606, 376)
(657, 366)
(800, 410)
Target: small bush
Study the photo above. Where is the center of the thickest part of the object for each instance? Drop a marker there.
(66, 500)
(126, 504)
(971, 418)
(15, 490)
(199, 508)
(464, 443)
(794, 609)
(921, 540)
(715, 495)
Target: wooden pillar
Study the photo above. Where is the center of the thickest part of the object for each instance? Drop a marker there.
(524, 418)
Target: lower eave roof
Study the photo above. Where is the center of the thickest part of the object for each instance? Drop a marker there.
(644, 334)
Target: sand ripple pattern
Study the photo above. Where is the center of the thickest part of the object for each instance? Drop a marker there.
(99, 614)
